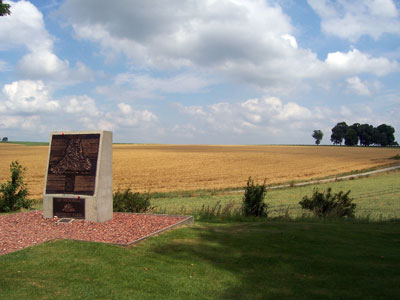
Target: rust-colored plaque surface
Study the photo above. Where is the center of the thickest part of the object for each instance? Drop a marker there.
(69, 208)
(73, 164)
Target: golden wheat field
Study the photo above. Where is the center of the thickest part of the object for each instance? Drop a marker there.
(162, 168)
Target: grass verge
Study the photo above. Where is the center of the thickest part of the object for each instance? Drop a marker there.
(257, 260)
(28, 143)
(377, 198)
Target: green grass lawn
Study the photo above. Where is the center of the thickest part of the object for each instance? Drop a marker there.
(253, 260)
(377, 197)
(264, 259)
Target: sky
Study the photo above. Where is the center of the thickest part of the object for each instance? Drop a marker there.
(199, 71)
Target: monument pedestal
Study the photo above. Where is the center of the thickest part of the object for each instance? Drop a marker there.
(78, 182)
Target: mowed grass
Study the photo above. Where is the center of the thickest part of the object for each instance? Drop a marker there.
(377, 197)
(256, 260)
(166, 168)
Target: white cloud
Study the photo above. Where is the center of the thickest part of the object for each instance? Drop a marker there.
(192, 110)
(356, 85)
(41, 64)
(355, 62)
(82, 105)
(212, 35)
(124, 117)
(26, 123)
(291, 39)
(106, 125)
(125, 108)
(351, 19)
(187, 131)
(383, 8)
(271, 120)
(84, 110)
(293, 111)
(25, 106)
(251, 42)
(268, 115)
(27, 96)
(273, 108)
(131, 86)
(179, 33)
(345, 112)
(28, 106)
(128, 117)
(181, 83)
(25, 27)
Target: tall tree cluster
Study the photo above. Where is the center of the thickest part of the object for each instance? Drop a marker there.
(363, 134)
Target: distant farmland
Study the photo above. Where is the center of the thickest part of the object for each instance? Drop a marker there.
(162, 168)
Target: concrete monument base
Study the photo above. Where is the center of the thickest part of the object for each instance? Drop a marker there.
(78, 181)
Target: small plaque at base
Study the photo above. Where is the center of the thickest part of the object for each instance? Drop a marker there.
(71, 208)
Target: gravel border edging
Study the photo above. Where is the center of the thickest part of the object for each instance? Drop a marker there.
(23, 230)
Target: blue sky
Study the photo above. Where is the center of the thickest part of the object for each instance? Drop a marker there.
(199, 72)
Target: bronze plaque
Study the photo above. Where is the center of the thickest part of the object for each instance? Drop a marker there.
(69, 208)
(73, 164)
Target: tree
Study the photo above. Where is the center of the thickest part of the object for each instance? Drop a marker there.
(338, 133)
(13, 193)
(377, 137)
(4, 8)
(350, 138)
(4, 139)
(366, 134)
(317, 135)
(253, 199)
(356, 128)
(386, 135)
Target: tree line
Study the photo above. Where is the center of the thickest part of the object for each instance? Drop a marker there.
(363, 134)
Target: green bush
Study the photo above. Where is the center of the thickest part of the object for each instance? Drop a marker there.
(326, 204)
(128, 201)
(13, 193)
(253, 199)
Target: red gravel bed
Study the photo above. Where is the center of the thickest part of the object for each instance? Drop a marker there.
(22, 230)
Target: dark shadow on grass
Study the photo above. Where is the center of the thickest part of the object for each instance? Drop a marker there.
(296, 260)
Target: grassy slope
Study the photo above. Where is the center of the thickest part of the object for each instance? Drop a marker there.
(377, 196)
(270, 260)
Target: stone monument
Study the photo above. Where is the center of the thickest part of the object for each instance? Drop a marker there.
(78, 182)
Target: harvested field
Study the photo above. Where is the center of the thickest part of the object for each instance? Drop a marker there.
(162, 168)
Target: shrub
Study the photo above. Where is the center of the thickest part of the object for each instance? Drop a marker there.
(13, 193)
(128, 201)
(253, 199)
(326, 204)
